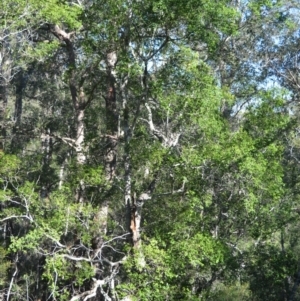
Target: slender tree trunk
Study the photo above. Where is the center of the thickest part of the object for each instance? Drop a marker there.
(111, 117)
(20, 85)
(3, 98)
(62, 172)
(128, 198)
(79, 104)
(5, 77)
(110, 160)
(80, 154)
(45, 179)
(47, 148)
(3, 101)
(133, 207)
(133, 204)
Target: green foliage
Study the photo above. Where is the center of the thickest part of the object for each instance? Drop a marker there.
(222, 220)
(4, 266)
(153, 282)
(58, 269)
(231, 292)
(41, 51)
(269, 270)
(32, 12)
(8, 165)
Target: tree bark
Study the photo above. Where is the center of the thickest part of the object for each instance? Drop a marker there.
(111, 117)
(19, 97)
(3, 100)
(79, 103)
(5, 77)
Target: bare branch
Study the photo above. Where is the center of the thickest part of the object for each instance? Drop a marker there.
(16, 216)
(12, 279)
(56, 241)
(74, 258)
(112, 264)
(71, 142)
(155, 132)
(91, 293)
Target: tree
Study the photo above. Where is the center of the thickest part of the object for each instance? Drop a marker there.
(131, 175)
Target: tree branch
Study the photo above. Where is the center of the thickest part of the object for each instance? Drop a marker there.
(91, 293)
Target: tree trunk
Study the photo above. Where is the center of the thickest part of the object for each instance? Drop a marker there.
(111, 117)
(3, 100)
(5, 77)
(79, 104)
(20, 84)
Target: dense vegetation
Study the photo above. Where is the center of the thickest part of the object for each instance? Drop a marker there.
(149, 150)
